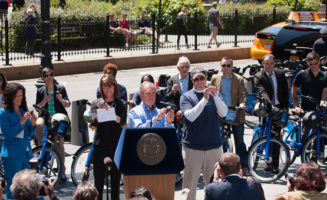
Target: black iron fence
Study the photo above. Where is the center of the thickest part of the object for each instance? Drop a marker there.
(94, 38)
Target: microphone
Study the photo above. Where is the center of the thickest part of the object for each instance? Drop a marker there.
(107, 161)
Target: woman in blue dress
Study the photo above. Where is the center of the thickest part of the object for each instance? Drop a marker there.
(17, 125)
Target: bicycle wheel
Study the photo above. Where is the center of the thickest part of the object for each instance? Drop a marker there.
(309, 150)
(78, 168)
(228, 143)
(52, 161)
(260, 160)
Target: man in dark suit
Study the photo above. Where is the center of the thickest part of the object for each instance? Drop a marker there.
(180, 83)
(229, 182)
(276, 94)
(272, 84)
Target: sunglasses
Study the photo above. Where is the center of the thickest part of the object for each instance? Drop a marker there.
(47, 75)
(184, 67)
(312, 64)
(226, 65)
(199, 79)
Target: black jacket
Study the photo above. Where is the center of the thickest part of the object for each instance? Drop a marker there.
(176, 97)
(108, 133)
(263, 86)
(42, 93)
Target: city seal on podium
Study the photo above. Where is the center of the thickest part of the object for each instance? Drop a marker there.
(151, 149)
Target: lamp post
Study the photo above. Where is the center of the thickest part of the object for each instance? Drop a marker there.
(45, 27)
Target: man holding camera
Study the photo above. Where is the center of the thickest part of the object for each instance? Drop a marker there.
(202, 107)
(229, 182)
(231, 86)
(27, 184)
(146, 114)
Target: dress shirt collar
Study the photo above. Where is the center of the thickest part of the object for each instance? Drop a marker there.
(146, 108)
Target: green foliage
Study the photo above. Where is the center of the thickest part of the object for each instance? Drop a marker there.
(252, 17)
(302, 5)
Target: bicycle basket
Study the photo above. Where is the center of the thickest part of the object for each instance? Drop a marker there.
(59, 123)
(311, 120)
(280, 117)
(232, 116)
(260, 110)
(87, 115)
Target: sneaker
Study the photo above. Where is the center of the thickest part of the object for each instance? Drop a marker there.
(63, 178)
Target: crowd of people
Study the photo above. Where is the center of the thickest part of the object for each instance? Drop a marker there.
(202, 105)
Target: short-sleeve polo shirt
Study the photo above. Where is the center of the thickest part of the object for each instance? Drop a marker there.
(310, 86)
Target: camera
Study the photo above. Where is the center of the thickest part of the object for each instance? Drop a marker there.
(46, 183)
(290, 177)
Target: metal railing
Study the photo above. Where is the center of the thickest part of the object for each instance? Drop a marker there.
(88, 39)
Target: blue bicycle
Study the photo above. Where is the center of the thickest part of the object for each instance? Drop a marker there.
(269, 156)
(47, 159)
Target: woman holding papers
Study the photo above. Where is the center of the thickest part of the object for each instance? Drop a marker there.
(17, 125)
(109, 115)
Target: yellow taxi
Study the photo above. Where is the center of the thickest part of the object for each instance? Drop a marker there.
(264, 39)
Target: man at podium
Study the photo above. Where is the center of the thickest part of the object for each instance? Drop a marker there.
(202, 107)
(146, 114)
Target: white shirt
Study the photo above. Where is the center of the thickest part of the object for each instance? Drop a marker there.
(274, 80)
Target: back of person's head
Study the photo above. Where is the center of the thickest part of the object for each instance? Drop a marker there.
(85, 191)
(26, 184)
(140, 193)
(309, 177)
(110, 69)
(149, 76)
(230, 163)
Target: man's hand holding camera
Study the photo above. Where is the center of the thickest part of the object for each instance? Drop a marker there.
(47, 189)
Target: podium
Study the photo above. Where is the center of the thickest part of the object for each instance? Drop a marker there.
(149, 157)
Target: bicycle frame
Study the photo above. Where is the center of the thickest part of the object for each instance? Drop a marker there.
(88, 161)
(297, 144)
(44, 162)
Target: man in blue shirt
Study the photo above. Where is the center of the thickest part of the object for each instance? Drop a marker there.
(202, 107)
(146, 114)
(231, 86)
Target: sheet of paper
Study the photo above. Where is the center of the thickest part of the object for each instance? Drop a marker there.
(20, 135)
(106, 115)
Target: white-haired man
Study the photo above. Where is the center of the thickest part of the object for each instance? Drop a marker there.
(180, 83)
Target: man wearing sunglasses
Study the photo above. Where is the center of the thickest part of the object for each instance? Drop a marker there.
(180, 83)
(54, 98)
(272, 85)
(202, 107)
(231, 86)
(313, 83)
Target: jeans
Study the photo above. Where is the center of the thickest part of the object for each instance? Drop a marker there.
(238, 132)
